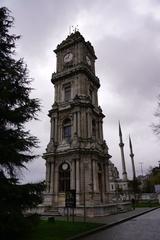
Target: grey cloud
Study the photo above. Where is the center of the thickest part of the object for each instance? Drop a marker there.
(127, 46)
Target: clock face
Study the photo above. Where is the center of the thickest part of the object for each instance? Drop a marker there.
(88, 60)
(65, 166)
(68, 57)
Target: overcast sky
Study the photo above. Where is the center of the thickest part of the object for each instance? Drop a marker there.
(126, 38)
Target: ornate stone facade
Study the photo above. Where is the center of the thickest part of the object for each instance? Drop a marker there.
(77, 155)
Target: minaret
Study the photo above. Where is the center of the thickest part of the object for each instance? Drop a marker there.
(121, 144)
(132, 158)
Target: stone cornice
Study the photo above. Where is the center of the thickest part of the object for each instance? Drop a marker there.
(78, 101)
(79, 151)
(80, 68)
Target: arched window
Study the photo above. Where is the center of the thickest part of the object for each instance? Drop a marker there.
(67, 129)
(64, 177)
(93, 127)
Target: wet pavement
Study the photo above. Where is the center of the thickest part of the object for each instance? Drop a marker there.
(144, 227)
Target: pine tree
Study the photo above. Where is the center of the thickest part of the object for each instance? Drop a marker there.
(16, 143)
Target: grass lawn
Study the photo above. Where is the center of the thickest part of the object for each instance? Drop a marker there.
(59, 230)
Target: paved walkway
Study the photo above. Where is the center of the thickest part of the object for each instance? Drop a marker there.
(111, 219)
(108, 221)
(144, 227)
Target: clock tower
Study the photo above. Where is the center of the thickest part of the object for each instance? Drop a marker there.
(77, 155)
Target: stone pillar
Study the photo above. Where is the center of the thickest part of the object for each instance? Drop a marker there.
(83, 121)
(93, 97)
(89, 125)
(77, 181)
(74, 123)
(104, 169)
(96, 98)
(60, 132)
(79, 124)
(101, 129)
(94, 177)
(103, 182)
(56, 130)
(52, 129)
(60, 95)
(56, 184)
(52, 177)
(47, 176)
(77, 175)
(73, 175)
(97, 129)
(107, 177)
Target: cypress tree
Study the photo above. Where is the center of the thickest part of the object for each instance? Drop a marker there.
(16, 143)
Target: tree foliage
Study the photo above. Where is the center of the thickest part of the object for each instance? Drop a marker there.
(16, 143)
(153, 178)
(134, 186)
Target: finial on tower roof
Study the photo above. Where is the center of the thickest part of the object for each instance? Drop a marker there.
(73, 29)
